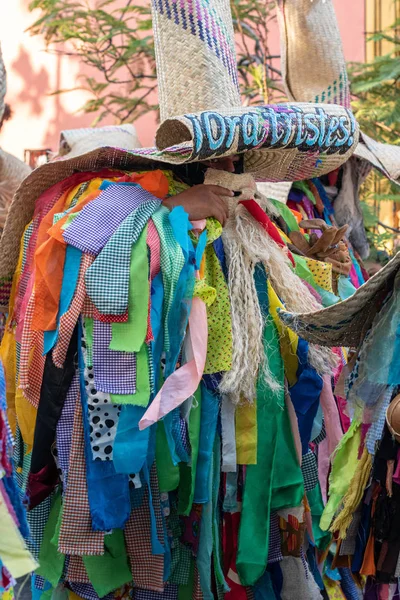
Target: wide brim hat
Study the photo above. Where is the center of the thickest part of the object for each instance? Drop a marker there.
(346, 323)
(314, 70)
(393, 417)
(77, 142)
(202, 118)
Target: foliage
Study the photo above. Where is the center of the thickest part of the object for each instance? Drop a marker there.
(375, 88)
(117, 44)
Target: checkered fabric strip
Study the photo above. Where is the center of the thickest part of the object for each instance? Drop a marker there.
(147, 568)
(114, 371)
(86, 591)
(171, 260)
(197, 593)
(76, 534)
(26, 238)
(348, 545)
(107, 279)
(38, 582)
(93, 227)
(274, 548)
(375, 431)
(309, 469)
(31, 359)
(69, 319)
(170, 593)
(64, 428)
(76, 572)
(88, 308)
(110, 318)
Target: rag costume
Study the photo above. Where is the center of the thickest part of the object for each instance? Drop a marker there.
(172, 435)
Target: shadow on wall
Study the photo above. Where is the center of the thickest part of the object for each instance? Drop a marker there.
(37, 93)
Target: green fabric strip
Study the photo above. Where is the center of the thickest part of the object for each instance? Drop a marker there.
(276, 480)
(50, 559)
(167, 472)
(322, 539)
(286, 214)
(130, 336)
(185, 592)
(110, 570)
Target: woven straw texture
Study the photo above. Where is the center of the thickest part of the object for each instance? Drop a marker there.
(314, 69)
(3, 84)
(12, 172)
(384, 157)
(195, 55)
(284, 156)
(346, 323)
(312, 60)
(75, 142)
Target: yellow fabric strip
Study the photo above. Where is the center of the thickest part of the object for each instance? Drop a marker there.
(288, 339)
(8, 349)
(246, 433)
(13, 552)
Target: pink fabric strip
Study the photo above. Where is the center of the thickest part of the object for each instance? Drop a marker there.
(179, 386)
(154, 245)
(24, 305)
(333, 427)
(323, 468)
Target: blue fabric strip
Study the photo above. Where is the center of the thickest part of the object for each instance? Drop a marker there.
(108, 491)
(209, 416)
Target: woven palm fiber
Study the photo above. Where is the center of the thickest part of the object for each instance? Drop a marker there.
(313, 64)
(247, 244)
(346, 323)
(314, 70)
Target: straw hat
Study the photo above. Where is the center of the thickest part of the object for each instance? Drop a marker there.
(12, 172)
(346, 323)
(75, 142)
(3, 85)
(393, 417)
(314, 70)
(202, 118)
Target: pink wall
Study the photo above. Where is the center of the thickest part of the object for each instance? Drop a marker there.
(34, 74)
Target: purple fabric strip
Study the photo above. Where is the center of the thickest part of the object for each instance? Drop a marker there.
(85, 590)
(114, 371)
(98, 220)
